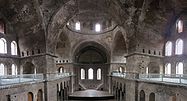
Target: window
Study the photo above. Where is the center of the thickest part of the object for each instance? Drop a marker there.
(179, 68)
(97, 27)
(61, 70)
(90, 74)
(142, 95)
(120, 70)
(179, 47)
(77, 26)
(147, 70)
(152, 97)
(82, 74)
(2, 27)
(168, 48)
(99, 74)
(168, 68)
(13, 48)
(179, 26)
(14, 69)
(3, 46)
(2, 69)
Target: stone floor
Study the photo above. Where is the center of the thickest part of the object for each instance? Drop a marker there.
(91, 94)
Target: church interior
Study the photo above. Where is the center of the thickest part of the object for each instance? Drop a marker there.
(109, 50)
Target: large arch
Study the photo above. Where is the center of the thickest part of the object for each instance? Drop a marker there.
(63, 46)
(90, 56)
(119, 48)
(93, 46)
(29, 68)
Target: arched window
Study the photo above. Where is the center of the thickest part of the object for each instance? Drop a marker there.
(179, 47)
(2, 27)
(14, 69)
(142, 95)
(77, 26)
(90, 74)
(179, 26)
(61, 70)
(13, 48)
(2, 69)
(120, 69)
(82, 74)
(168, 48)
(99, 74)
(3, 46)
(147, 70)
(168, 68)
(152, 97)
(30, 96)
(97, 27)
(179, 68)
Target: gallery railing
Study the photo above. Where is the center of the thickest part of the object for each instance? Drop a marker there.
(164, 78)
(54, 76)
(15, 79)
(24, 78)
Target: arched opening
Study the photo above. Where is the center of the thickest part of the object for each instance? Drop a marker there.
(30, 96)
(99, 74)
(13, 48)
(88, 57)
(3, 46)
(29, 68)
(142, 95)
(2, 69)
(61, 70)
(90, 74)
(168, 48)
(40, 95)
(179, 26)
(152, 97)
(179, 68)
(119, 48)
(168, 68)
(82, 74)
(179, 47)
(14, 69)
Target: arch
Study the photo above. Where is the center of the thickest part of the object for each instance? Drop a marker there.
(82, 74)
(30, 96)
(63, 45)
(29, 68)
(168, 68)
(2, 69)
(40, 95)
(168, 48)
(14, 69)
(119, 45)
(90, 74)
(94, 48)
(152, 97)
(99, 74)
(3, 46)
(13, 48)
(142, 95)
(179, 68)
(61, 70)
(179, 26)
(57, 23)
(179, 47)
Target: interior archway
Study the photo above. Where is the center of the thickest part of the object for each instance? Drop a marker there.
(91, 56)
(29, 68)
